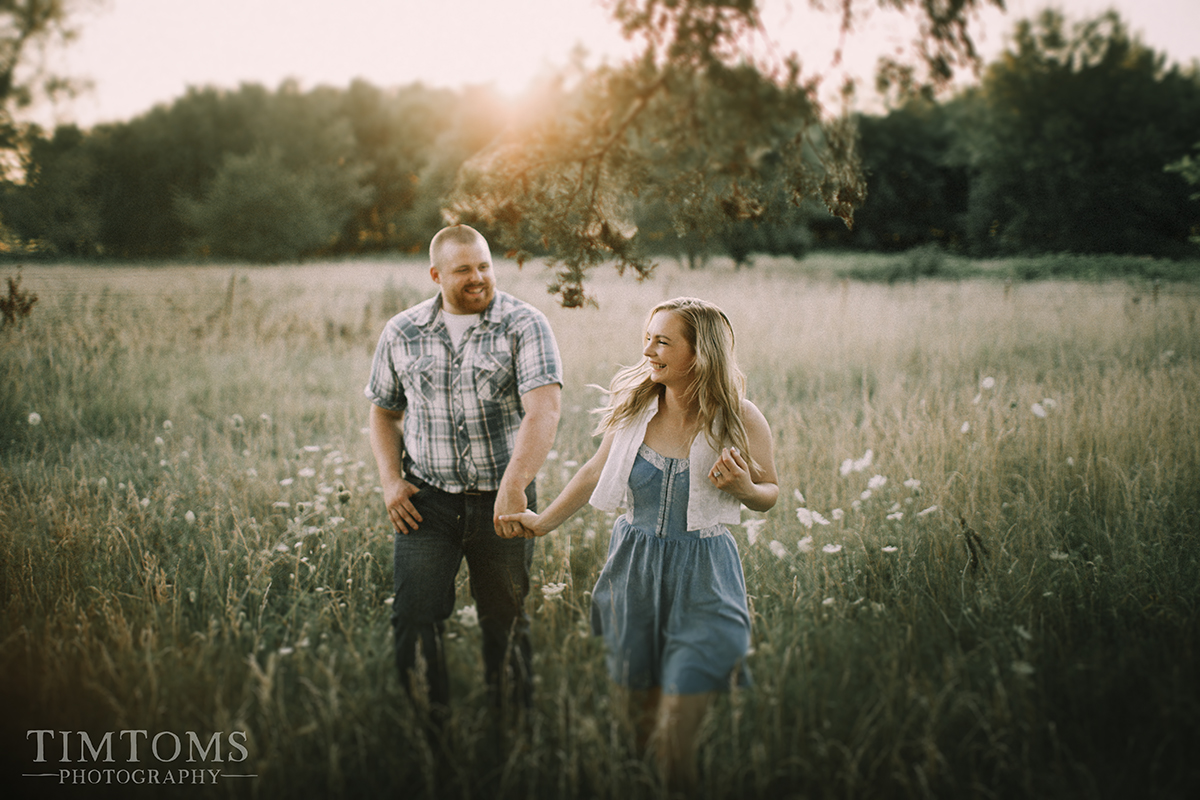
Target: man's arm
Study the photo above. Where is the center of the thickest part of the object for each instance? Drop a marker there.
(534, 439)
(387, 443)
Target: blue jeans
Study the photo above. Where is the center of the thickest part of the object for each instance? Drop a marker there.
(454, 526)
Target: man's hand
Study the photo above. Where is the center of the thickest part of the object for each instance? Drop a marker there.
(508, 501)
(397, 496)
(528, 523)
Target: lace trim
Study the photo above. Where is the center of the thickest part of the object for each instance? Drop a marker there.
(664, 464)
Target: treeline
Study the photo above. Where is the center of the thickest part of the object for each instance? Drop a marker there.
(1064, 146)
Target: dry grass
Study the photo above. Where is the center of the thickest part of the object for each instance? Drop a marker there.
(1032, 636)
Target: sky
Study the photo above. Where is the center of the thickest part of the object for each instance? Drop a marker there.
(139, 53)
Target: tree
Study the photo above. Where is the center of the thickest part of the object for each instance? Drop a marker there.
(26, 28)
(1074, 127)
(917, 186)
(567, 179)
(54, 205)
(1189, 169)
(259, 209)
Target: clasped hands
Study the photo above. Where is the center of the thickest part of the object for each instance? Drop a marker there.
(730, 474)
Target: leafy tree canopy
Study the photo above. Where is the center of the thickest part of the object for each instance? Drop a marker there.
(27, 27)
(730, 129)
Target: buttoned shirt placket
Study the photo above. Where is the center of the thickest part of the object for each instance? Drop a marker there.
(467, 473)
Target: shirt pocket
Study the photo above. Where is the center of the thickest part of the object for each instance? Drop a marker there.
(417, 375)
(495, 376)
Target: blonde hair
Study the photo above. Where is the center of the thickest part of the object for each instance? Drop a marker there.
(717, 383)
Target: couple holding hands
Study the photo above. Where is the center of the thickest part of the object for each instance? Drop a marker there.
(464, 392)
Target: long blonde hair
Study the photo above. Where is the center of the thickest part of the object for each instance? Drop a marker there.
(717, 383)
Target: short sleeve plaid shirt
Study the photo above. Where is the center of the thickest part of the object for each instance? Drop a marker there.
(462, 408)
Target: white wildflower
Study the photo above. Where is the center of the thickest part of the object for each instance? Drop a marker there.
(1038, 410)
(777, 548)
(167, 424)
(837, 514)
(237, 421)
(1050, 403)
(877, 482)
(847, 467)
(468, 617)
(282, 504)
(35, 418)
(805, 516)
(805, 545)
(799, 497)
(832, 548)
(287, 481)
(966, 428)
(145, 502)
(828, 601)
(1056, 555)
(1023, 668)
(553, 590)
(890, 548)
(817, 518)
(158, 442)
(927, 511)
(1023, 633)
(866, 495)
(190, 517)
(282, 548)
(286, 651)
(988, 383)
(307, 472)
(896, 516)
(912, 483)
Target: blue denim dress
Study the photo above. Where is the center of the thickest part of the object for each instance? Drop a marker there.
(670, 603)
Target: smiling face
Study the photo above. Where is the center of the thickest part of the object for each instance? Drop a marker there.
(464, 271)
(667, 349)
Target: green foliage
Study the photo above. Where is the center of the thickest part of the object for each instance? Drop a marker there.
(693, 123)
(28, 28)
(54, 208)
(916, 187)
(1189, 168)
(1074, 128)
(256, 209)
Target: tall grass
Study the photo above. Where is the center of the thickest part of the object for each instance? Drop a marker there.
(192, 539)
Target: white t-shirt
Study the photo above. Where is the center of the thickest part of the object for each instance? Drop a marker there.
(457, 324)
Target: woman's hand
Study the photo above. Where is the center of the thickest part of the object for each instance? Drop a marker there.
(529, 523)
(731, 473)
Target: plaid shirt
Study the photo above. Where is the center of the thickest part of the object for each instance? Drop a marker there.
(462, 407)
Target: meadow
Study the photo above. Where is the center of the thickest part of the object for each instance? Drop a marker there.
(981, 579)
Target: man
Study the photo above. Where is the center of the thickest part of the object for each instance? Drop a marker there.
(465, 391)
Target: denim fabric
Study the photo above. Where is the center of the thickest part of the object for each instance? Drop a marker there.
(426, 561)
(669, 602)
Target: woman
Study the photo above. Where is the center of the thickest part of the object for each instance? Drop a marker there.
(682, 451)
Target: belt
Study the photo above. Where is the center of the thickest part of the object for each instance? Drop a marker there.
(414, 480)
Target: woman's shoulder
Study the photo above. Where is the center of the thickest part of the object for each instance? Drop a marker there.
(751, 414)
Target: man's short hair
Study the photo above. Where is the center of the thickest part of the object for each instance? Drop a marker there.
(455, 234)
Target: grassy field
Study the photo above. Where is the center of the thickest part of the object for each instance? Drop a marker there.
(981, 580)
